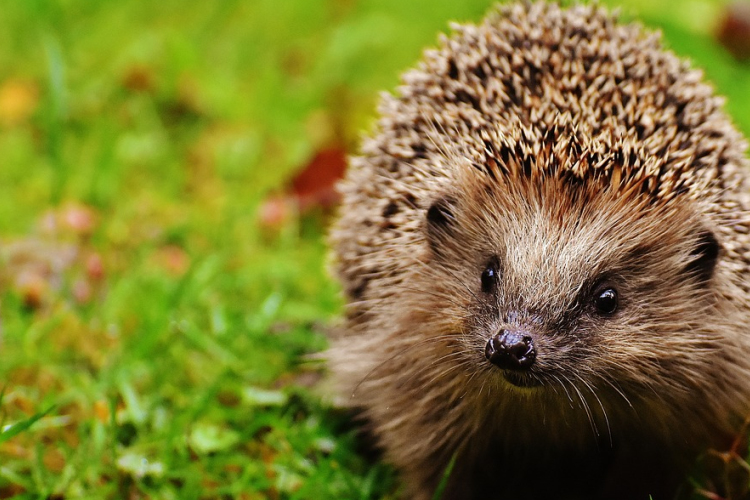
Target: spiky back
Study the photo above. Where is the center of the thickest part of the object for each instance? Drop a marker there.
(538, 91)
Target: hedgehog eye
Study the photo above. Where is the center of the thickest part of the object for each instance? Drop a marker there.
(490, 276)
(605, 300)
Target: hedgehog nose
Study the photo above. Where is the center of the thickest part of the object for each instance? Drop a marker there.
(511, 350)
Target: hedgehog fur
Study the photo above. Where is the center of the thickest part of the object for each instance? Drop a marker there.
(531, 169)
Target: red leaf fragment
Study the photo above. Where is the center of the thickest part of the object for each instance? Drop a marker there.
(94, 267)
(313, 187)
(315, 184)
(734, 30)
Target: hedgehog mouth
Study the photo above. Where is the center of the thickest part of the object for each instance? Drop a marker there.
(523, 380)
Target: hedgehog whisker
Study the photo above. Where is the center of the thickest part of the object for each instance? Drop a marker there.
(592, 390)
(397, 355)
(565, 388)
(456, 354)
(618, 390)
(446, 371)
(587, 409)
(442, 374)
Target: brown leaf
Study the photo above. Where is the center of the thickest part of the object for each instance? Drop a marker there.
(18, 101)
(32, 286)
(53, 460)
(734, 30)
(314, 186)
(139, 78)
(41, 379)
(245, 495)
(185, 105)
(94, 267)
(228, 398)
(234, 469)
(13, 448)
(11, 491)
(22, 402)
(101, 411)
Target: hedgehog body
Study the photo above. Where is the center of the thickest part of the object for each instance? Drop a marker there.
(545, 249)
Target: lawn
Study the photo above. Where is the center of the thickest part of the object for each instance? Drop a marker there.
(160, 294)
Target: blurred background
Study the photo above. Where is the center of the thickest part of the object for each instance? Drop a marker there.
(167, 175)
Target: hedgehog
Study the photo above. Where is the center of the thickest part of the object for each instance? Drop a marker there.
(544, 249)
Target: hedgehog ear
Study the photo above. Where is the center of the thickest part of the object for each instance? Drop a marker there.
(440, 220)
(704, 256)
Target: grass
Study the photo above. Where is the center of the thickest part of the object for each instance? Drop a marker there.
(154, 334)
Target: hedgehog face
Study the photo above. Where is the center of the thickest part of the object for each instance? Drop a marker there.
(562, 293)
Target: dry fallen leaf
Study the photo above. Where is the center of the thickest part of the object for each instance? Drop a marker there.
(139, 78)
(33, 287)
(94, 267)
(18, 101)
(314, 186)
(53, 460)
(734, 30)
(101, 411)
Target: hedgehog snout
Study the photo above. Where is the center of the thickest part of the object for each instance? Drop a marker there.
(511, 349)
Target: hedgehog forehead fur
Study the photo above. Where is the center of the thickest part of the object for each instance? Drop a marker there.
(553, 238)
(556, 150)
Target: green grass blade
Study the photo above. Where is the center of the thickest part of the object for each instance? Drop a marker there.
(17, 428)
(444, 480)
